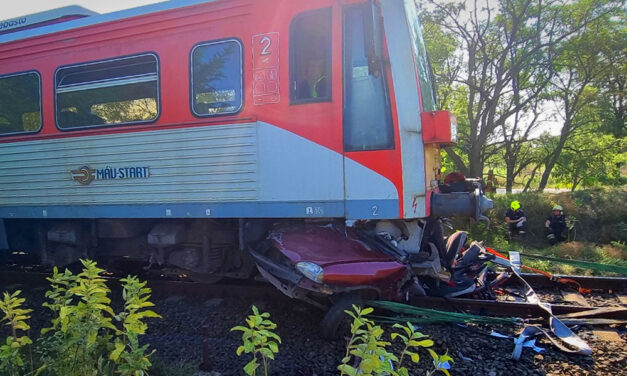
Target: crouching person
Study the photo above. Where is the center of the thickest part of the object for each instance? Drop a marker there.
(516, 219)
(555, 226)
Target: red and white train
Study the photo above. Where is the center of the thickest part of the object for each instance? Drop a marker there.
(194, 133)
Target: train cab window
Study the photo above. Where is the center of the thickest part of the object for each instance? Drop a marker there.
(20, 103)
(111, 92)
(216, 70)
(428, 91)
(367, 113)
(310, 57)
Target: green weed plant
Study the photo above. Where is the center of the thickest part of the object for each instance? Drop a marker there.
(86, 336)
(259, 339)
(366, 348)
(367, 353)
(11, 352)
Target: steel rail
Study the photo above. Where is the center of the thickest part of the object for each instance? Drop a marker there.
(514, 309)
(255, 290)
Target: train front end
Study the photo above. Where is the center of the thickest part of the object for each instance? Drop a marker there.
(375, 254)
(423, 129)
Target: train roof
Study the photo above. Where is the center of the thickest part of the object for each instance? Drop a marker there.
(87, 18)
(44, 18)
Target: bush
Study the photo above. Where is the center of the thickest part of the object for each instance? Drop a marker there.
(87, 337)
(11, 361)
(598, 217)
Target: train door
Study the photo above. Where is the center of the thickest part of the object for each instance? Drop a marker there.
(367, 119)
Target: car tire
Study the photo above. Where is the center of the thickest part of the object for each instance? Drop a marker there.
(336, 322)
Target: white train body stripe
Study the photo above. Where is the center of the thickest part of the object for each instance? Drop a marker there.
(253, 162)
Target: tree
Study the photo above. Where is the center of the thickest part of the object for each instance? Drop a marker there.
(442, 47)
(516, 152)
(583, 61)
(541, 149)
(506, 50)
(613, 84)
(590, 158)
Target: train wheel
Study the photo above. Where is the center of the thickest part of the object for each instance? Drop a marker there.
(336, 323)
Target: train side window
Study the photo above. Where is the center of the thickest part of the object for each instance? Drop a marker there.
(216, 71)
(20, 103)
(367, 114)
(310, 57)
(124, 90)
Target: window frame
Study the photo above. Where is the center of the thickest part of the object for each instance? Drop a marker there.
(41, 112)
(241, 74)
(92, 62)
(292, 57)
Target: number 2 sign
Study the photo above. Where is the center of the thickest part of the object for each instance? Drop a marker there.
(266, 68)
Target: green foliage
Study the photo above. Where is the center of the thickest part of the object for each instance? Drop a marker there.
(11, 357)
(367, 353)
(259, 339)
(439, 361)
(83, 339)
(366, 347)
(502, 74)
(59, 295)
(589, 159)
(82, 330)
(597, 216)
(411, 340)
(130, 357)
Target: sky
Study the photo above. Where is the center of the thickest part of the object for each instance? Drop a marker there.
(12, 8)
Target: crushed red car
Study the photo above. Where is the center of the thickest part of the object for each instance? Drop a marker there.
(332, 266)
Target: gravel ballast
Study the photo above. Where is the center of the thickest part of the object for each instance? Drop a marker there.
(178, 338)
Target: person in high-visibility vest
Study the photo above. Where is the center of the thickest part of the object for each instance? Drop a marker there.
(516, 219)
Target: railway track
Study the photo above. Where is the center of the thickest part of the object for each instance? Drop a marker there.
(197, 318)
(609, 302)
(609, 293)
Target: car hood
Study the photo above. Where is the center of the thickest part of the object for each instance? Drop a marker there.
(324, 245)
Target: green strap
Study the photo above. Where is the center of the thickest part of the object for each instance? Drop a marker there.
(314, 87)
(582, 264)
(409, 313)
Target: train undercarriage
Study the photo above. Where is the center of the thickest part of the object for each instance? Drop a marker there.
(315, 260)
(330, 263)
(303, 258)
(323, 262)
(204, 250)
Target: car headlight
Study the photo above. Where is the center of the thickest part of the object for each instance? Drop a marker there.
(310, 270)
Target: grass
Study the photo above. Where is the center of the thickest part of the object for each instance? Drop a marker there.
(609, 254)
(600, 222)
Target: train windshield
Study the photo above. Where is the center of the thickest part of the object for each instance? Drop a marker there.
(427, 87)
